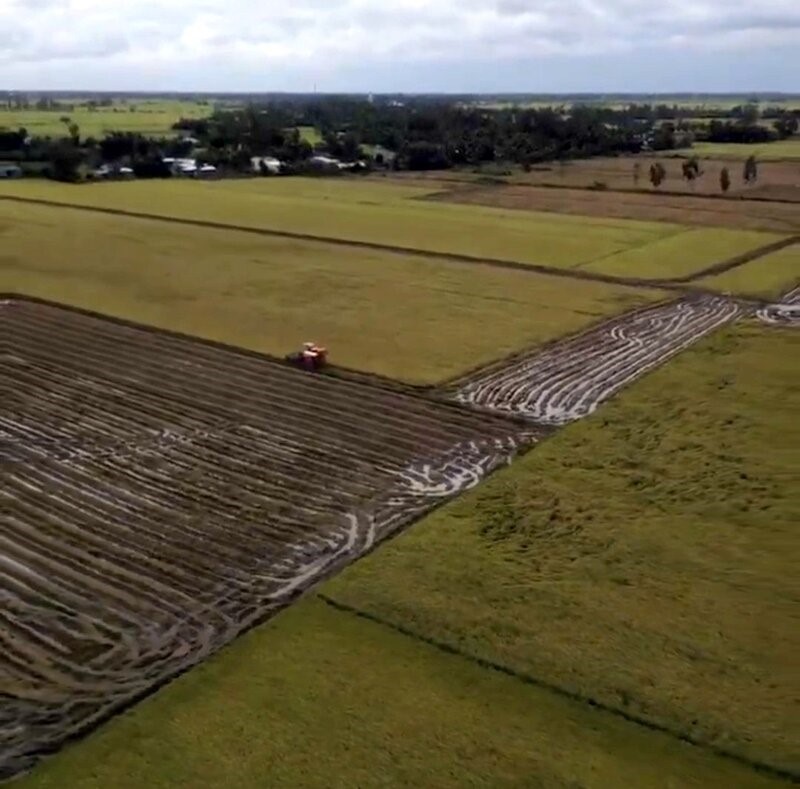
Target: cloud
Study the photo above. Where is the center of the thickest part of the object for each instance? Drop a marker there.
(323, 36)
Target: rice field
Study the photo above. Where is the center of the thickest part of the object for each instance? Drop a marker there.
(407, 317)
(149, 117)
(389, 215)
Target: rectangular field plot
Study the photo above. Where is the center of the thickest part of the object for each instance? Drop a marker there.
(376, 311)
(161, 495)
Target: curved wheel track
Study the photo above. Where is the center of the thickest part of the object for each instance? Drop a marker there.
(569, 379)
(785, 312)
(161, 496)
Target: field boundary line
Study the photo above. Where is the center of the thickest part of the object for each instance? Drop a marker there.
(731, 198)
(740, 260)
(432, 392)
(452, 257)
(459, 379)
(671, 283)
(528, 679)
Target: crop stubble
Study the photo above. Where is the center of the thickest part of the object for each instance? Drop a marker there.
(569, 379)
(785, 312)
(162, 495)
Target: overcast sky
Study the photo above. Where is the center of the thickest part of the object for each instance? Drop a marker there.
(401, 45)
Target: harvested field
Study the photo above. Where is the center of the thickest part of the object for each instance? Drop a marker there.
(163, 495)
(618, 173)
(688, 210)
(570, 378)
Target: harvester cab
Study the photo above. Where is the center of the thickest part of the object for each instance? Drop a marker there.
(311, 357)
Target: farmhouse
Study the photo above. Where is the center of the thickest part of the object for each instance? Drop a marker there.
(324, 162)
(270, 163)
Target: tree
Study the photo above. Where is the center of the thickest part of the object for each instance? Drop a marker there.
(691, 170)
(657, 174)
(724, 179)
(637, 173)
(64, 163)
(786, 126)
(750, 173)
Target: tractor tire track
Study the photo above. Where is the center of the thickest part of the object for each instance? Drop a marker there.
(569, 379)
(163, 495)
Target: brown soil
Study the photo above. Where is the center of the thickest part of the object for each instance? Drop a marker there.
(689, 210)
(776, 180)
(161, 495)
(164, 494)
(617, 173)
(571, 377)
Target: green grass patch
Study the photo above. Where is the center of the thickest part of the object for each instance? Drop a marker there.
(681, 253)
(643, 557)
(320, 698)
(151, 117)
(402, 316)
(352, 209)
(769, 276)
(310, 134)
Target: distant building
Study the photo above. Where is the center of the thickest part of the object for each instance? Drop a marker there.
(10, 171)
(180, 166)
(322, 162)
(270, 163)
(383, 155)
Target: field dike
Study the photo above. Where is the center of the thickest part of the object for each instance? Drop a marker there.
(166, 494)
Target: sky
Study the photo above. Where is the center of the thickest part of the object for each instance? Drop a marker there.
(469, 46)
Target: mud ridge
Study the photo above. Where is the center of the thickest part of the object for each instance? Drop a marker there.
(784, 312)
(163, 495)
(569, 379)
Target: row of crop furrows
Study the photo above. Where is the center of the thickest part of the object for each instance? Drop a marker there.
(784, 312)
(571, 378)
(162, 496)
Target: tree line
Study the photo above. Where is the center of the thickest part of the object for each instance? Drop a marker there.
(415, 134)
(691, 171)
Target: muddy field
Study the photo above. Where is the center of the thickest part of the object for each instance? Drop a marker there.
(785, 312)
(680, 209)
(619, 173)
(161, 495)
(572, 377)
